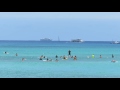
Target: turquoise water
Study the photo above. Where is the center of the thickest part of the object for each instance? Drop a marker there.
(12, 66)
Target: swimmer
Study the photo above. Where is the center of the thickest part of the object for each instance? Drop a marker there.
(100, 56)
(47, 59)
(40, 58)
(75, 58)
(93, 55)
(56, 56)
(50, 60)
(6, 52)
(71, 56)
(112, 56)
(44, 57)
(23, 59)
(113, 61)
(64, 57)
(16, 54)
(56, 60)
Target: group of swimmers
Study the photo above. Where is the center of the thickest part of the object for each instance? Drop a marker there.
(101, 57)
(63, 57)
(93, 56)
(69, 56)
(15, 55)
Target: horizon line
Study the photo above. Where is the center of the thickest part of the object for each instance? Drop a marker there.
(51, 41)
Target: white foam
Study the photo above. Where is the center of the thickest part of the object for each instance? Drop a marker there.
(44, 60)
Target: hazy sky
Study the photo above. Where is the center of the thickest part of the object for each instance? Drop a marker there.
(89, 26)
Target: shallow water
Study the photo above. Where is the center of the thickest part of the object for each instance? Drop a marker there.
(12, 66)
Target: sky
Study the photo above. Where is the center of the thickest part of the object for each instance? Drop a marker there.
(89, 26)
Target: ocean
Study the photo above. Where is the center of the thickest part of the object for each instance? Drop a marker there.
(12, 66)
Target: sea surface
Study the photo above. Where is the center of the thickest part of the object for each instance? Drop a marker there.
(12, 66)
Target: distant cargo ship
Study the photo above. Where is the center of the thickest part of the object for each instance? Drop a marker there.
(77, 40)
(45, 39)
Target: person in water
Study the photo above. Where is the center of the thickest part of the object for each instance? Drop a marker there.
(47, 59)
(113, 61)
(56, 56)
(40, 58)
(56, 60)
(71, 56)
(69, 53)
(93, 55)
(112, 56)
(50, 60)
(60, 56)
(64, 57)
(100, 56)
(16, 54)
(75, 58)
(23, 59)
(5, 52)
(44, 57)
